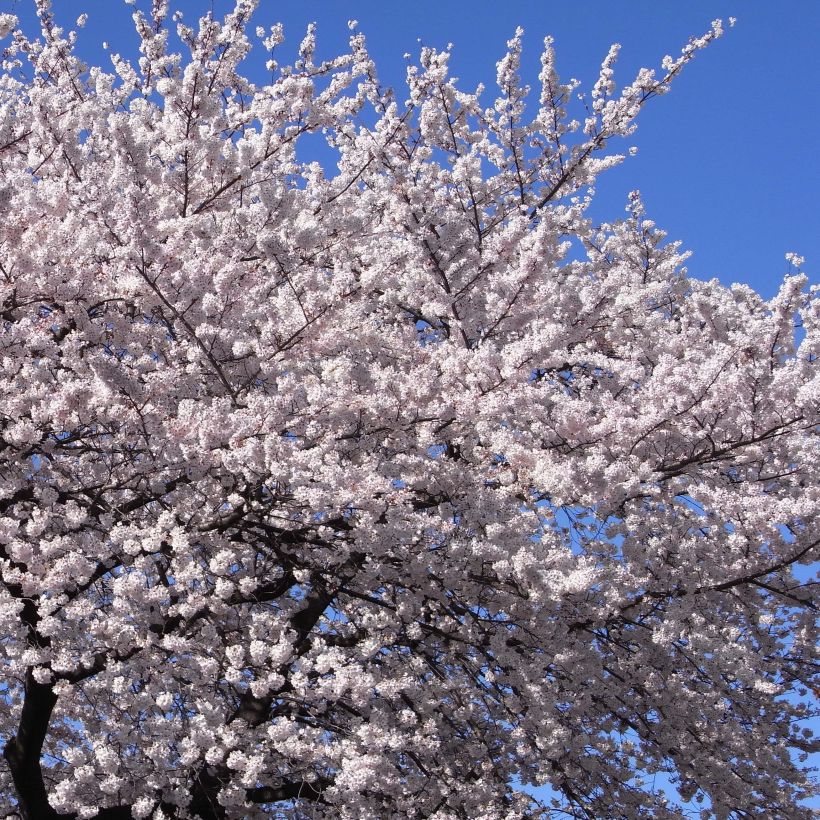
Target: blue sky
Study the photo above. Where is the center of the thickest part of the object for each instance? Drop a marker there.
(727, 162)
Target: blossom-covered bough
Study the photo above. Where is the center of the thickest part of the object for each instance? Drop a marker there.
(364, 493)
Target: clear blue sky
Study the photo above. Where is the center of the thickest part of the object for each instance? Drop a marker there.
(728, 162)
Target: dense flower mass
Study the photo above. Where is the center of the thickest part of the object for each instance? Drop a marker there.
(385, 491)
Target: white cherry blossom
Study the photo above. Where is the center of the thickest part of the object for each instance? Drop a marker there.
(387, 486)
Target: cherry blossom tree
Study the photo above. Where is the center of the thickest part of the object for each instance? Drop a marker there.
(386, 490)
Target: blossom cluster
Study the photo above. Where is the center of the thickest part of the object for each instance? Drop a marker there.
(389, 491)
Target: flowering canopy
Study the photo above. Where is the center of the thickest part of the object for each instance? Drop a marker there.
(387, 491)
